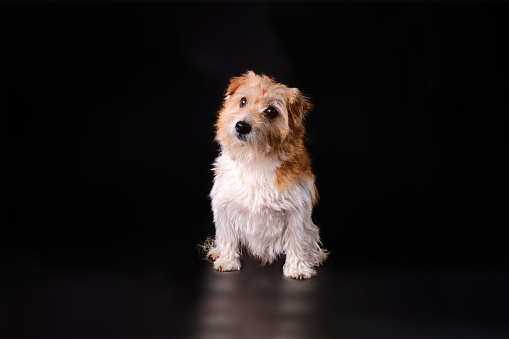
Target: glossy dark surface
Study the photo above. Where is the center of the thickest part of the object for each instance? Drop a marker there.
(107, 137)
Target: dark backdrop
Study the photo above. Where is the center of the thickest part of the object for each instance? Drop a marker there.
(107, 113)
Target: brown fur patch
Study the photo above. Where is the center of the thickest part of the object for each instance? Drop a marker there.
(317, 196)
(297, 160)
(299, 105)
(291, 169)
(235, 83)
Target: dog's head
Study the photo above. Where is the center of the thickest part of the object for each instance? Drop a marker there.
(260, 115)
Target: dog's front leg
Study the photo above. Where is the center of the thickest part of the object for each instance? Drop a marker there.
(301, 246)
(226, 247)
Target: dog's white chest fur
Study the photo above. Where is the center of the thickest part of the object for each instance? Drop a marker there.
(248, 186)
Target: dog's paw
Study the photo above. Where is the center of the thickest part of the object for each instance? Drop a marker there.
(227, 264)
(298, 270)
(213, 254)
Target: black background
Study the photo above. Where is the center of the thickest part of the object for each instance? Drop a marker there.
(107, 113)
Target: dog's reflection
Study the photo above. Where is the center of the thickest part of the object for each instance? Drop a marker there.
(256, 303)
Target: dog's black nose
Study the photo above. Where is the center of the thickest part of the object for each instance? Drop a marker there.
(242, 127)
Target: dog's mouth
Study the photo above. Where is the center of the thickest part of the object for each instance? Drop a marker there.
(242, 137)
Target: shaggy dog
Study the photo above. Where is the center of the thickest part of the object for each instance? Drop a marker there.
(264, 189)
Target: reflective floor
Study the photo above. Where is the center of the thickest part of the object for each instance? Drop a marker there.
(160, 302)
(259, 303)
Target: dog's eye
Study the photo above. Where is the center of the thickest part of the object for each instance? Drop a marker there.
(243, 102)
(271, 112)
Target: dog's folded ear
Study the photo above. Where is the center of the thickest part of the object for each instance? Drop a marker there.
(298, 105)
(236, 82)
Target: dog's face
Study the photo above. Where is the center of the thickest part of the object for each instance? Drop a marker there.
(260, 115)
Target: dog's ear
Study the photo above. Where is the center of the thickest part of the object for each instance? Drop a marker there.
(236, 82)
(298, 105)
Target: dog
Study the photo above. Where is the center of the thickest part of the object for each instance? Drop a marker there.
(264, 188)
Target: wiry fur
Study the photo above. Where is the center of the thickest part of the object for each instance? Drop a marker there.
(264, 189)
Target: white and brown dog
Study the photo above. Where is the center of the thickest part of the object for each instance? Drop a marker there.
(264, 189)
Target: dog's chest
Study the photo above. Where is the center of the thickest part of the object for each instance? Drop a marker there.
(249, 186)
